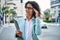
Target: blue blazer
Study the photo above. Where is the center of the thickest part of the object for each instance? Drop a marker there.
(21, 23)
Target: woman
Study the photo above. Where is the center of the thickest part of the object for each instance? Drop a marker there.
(31, 23)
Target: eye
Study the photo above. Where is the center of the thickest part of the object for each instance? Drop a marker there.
(29, 8)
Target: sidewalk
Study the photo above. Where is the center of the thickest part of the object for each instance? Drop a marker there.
(1, 28)
(6, 25)
(8, 32)
(9, 24)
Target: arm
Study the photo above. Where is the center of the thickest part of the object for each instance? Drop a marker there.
(37, 28)
(18, 32)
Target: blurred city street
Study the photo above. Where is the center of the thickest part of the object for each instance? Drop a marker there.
(51, 33)
(49, 18)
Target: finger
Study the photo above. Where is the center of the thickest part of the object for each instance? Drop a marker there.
(17, 32)
(34, 9)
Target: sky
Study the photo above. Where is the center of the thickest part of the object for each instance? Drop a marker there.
(44, 4)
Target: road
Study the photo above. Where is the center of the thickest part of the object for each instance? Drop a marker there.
(51, 33)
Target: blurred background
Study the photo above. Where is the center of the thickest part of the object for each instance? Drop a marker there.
(50, 18)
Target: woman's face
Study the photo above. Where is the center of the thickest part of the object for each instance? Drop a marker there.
(29, 9)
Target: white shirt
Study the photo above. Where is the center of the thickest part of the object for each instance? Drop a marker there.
(28, 30)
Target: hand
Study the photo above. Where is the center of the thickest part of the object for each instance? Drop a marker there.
(37, 13)
(19, 33)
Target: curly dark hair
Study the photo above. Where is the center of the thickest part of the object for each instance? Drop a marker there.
(35, 5)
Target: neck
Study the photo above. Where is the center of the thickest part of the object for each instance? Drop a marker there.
(29, 17)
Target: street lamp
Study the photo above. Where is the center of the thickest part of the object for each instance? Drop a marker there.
(21, 1)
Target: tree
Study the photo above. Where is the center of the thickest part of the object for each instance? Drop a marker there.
(47, 15)
(13, 12)
(9, 11)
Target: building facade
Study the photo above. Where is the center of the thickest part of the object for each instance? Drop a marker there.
(15, 3)
(55, 8)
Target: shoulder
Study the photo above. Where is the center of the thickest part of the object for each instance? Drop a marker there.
(38, 19)
(18, 19)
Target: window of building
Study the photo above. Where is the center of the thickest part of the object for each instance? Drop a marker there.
(58, 6)
(59, 11)
(53, 0)
(59, 0)
(54, 7)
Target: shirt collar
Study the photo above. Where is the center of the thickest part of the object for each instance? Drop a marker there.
(26, 18)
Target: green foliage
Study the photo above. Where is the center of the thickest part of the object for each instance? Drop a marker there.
(47, 14)
(13, 12)
(7, 11)
(4, 8)
(11, 21)
(47, 21)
